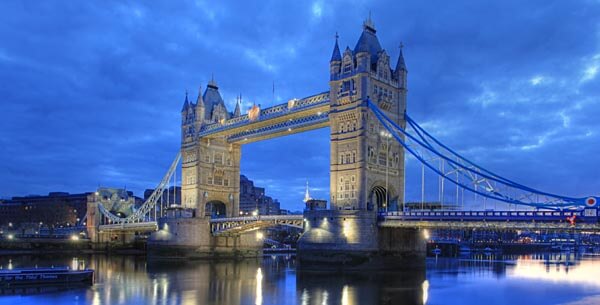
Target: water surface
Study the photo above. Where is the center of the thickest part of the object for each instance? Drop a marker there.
(542, 279)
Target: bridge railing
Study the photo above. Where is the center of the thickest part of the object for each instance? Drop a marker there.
(560, 216)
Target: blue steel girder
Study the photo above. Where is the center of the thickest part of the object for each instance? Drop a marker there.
(466, 175)
(291, 117)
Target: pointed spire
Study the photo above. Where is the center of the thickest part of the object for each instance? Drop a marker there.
(200, 100)
(186, 104)
(306, 193)
(237, 112)
(336, 56)
(400, 66)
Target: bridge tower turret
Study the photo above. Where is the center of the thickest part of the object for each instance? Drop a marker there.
(336, 60)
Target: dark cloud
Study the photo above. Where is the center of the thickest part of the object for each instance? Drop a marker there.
(91, 91)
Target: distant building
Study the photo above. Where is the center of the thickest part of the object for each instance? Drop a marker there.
(316, 204)
(56, 210)
(253, 198)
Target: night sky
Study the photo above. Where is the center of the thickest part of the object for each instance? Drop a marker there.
(91, 91)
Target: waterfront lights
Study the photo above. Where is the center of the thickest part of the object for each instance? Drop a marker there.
(259, 236)
(10, 224)
(10, 237)
(426, 234)
(74, 237)
(347, 228)
(255, 213)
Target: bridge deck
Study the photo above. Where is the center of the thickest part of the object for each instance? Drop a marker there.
(236, 225)
(135, 226)
(491, 219)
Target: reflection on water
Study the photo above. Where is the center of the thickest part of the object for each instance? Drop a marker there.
(530, 279)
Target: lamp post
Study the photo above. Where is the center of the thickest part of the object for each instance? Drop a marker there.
(387, 136)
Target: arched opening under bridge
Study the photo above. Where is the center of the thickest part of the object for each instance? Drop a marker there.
(215, 209)
(382, 199)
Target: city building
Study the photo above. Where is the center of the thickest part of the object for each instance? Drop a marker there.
(36, 213)
(253, 199)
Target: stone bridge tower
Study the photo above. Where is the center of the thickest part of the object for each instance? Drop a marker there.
(367, 166)
(210, 178)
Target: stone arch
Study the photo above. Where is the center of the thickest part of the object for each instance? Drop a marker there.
(378, 200)
(215, 209)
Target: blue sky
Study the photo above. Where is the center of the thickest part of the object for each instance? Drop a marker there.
(91, 91)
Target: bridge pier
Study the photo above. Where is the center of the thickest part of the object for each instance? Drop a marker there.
(351, 239)
(191, 238)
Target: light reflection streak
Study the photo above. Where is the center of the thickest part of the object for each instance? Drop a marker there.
(259, 277)
(325, 297)
(425, 287)
(305, 297)
(345, 297)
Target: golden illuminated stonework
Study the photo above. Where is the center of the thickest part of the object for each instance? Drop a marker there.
(254, 113)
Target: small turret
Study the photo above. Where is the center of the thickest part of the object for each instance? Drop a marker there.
(336, 59)
(186, 103)
(237, 112)
(200, 107)
(400, 71)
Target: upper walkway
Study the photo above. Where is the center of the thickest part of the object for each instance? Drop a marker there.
(295, 116)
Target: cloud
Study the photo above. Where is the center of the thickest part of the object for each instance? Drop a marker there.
(92, 93)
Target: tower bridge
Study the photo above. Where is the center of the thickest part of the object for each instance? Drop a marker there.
(370, 132)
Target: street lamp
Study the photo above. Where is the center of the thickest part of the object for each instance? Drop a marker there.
(387, 136)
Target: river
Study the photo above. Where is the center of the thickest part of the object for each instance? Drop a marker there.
(542, 279)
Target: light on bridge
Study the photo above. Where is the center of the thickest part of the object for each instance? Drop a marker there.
(74, 237)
